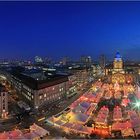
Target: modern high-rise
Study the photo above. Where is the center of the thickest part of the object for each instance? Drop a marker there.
(86, 59)
(65, 60)
(102, 60)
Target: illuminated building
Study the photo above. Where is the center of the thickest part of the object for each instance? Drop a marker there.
(82, 75)
(38, 90)
(65, 60)
(118, 72)
(3, 102)
(38, 59)
(118, 63)
(102, 61)
(86, 60)
(71, 85)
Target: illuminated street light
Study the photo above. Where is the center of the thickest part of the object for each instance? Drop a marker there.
(137, 104)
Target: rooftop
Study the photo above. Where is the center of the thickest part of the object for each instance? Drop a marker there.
(37, 84)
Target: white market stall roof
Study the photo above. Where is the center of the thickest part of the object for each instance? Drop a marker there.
(31, 135)
(79, 109)
(127, 132)
(77, 127)
(137, 130)
(59, 122)
(77, 117)
(38, 130)
(20, 137)
(69, 125)
(121, 126)
(10, 134)
(85, 105)
(81, 117)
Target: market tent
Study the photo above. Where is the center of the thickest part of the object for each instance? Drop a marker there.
(59, 122)
(38, 130)
(75, 103)
(127, 132)
(31, 135)
(92, 108)
(77, 117)
(85, 105)
(68, 125)
(137, 130)
(15, 133)
(4, 135)
(79, 109)
(77, 127)
(135, 120)
(81, 117)
(20, 138)
(86, 130)
(91, 96)
(116, 126)
(135, 123)
(121, 126)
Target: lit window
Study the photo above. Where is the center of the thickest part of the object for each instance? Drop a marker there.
(29, 93)
(44, 95)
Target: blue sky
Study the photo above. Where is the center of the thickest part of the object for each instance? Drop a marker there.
(57, 29)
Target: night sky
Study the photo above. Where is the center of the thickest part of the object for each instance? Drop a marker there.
(57, 29)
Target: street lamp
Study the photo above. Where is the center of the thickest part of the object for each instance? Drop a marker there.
(137, 104)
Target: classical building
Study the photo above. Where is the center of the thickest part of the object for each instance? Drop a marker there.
(82, 75)
(118, 64)
(3, 102)
(118, 71)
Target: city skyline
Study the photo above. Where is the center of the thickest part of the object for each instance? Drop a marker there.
(57, 29)
(69, 70)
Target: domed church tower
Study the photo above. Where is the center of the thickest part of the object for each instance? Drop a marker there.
(118, 64)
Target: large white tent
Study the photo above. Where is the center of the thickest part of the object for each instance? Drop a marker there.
(79, 109)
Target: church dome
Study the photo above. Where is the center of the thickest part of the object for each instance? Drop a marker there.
(118, 55)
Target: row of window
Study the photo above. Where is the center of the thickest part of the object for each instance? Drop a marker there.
(50, 97)
(2, 94)
(47, 93)
(27, 95)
